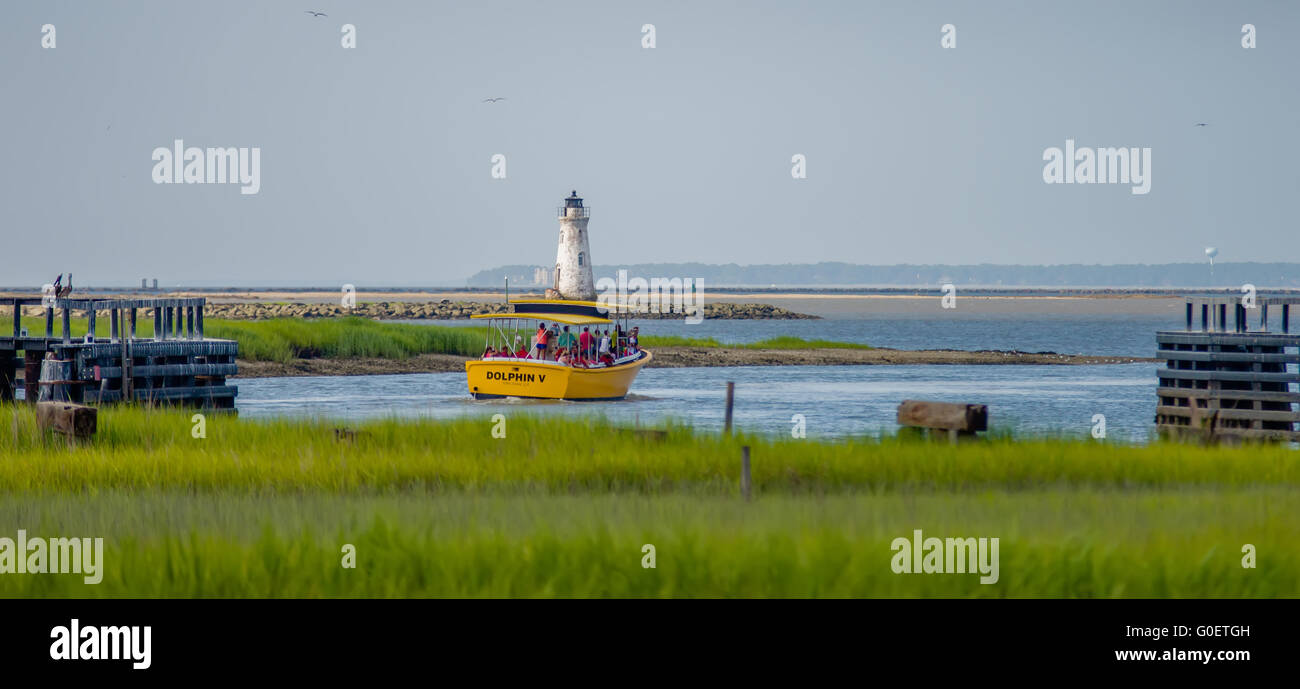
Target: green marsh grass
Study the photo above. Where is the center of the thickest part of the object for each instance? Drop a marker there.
(143, 450)
(562, 508)
(1071, 543)
(286, 339)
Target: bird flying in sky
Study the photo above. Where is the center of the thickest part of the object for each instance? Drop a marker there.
(314, 13)
(1201, 124)
(492, 100)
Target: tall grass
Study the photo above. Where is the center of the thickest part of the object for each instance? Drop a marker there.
(564, 507)
(141, 450)
(1058, 543)
(286, 339)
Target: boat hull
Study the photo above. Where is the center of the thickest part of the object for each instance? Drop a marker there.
(495, 378)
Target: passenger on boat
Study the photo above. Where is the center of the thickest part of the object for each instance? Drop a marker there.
(552, 335)
(585, 342)
(606, 358)
(520, 351)
(489, 352)
(539, 342)
(566, 339)
(633, 344)
(603, 348)
(564, 358)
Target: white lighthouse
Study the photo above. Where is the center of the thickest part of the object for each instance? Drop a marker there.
(572, 278)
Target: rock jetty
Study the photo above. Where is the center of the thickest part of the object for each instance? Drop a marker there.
(456, 310)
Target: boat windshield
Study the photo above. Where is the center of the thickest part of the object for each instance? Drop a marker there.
(566, 341)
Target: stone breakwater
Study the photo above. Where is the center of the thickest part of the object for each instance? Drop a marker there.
(457, 310)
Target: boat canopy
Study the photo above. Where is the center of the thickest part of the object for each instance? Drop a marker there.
(565, 318)
(594, 309)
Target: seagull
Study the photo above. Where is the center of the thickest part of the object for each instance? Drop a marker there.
(1201, 124)
(314, 13)
(492, 100)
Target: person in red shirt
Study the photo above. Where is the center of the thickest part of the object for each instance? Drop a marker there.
(586, 343)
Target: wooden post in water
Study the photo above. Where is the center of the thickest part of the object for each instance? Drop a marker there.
(8, 378)
(90, 321)
(746, 482)
(126, 369)
(66, 324)
(731, 398)
(18, 319)
(49, 322)
(158, 332)
(31, 375)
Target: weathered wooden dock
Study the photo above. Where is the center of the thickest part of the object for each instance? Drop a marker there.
(177, 365)
(1224, 380)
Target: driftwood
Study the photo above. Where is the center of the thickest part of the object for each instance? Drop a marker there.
(956, 419)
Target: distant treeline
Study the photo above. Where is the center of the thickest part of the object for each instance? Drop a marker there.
(1262, 275)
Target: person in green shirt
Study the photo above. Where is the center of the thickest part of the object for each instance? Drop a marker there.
(567, 340)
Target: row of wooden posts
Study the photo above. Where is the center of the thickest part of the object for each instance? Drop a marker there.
(175, 318)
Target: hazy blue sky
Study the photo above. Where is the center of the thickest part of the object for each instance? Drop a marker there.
(376, 164)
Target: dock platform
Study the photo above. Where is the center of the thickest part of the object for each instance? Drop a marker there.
(1225, 380)
(177, 364)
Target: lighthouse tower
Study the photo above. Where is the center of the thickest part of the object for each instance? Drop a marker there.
(572, 278)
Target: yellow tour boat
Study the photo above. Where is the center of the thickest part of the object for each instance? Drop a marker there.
(561, 369)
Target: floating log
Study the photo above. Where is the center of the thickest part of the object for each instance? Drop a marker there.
(75, 420)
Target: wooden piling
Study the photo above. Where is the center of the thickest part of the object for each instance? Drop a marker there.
(8, 377)
(746, 482)
(31, 375)
(731, 398)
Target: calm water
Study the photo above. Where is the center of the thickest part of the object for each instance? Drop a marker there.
(835, 400)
